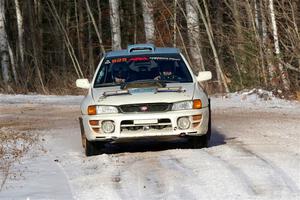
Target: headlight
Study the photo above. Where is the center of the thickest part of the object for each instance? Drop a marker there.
(183, 105)
(94, 110)
(187, 105)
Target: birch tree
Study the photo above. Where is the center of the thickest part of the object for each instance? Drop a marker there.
(148, 20)
(4, 54)
(284, 74)
(213, 47)
(192, 21)
(20, 34)
(115, 24)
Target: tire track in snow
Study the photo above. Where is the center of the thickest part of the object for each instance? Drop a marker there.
(155, 175)
(291, 185)
(209, 167)
(140, 177)
(239, 174)
(183, 176)
(262, 177)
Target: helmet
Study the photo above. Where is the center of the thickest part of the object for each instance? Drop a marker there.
(120, 71)
(167, 71)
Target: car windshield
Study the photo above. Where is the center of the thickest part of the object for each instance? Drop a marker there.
(167, 68)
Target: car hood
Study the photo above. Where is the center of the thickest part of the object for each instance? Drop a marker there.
(171, 93)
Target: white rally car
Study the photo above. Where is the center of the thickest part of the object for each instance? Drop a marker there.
(144, 91)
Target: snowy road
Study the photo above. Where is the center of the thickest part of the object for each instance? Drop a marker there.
(254, 154)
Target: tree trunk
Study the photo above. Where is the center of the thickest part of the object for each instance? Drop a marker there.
(284, 74)
(4, 45)
(82, 54)
(13, 64)
(194, 33)
(134, 21)
(34, 36)
(239, 36)
(148, 20)
(20, 35)
(175, 24)
(66, 39)
(258, 31)
(219, 40)
(90, 46)
(115, 24)
(95, 26)
(100, 25)
(272, 70)
(216, 57)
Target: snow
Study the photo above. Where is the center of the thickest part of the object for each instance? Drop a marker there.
(40, 99)
(253, 99)
(254, 154)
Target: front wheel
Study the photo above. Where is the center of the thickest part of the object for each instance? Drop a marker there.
(202, 141)
(93, 148)
(89, 148)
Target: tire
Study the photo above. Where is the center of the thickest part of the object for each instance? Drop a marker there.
(208, 133)
(94, 148)
(202, 141)
(90, 149)
(83, 138)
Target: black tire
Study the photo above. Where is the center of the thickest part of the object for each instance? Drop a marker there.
(89, 148)
(208, 133)
(83, 138)
(94, 148)
(202, 141)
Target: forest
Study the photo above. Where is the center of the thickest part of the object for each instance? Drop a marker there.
(46, 45)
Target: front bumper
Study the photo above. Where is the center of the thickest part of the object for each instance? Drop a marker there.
(165, 125)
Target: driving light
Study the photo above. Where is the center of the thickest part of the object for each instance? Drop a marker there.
(183, 105)
(108, 126)
(183, 123)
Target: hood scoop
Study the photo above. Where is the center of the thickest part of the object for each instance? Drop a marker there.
(143, 84)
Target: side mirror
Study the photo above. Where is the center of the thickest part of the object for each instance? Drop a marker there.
(204, 76)
(83, 83)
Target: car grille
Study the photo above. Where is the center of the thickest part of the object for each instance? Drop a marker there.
(151, 107)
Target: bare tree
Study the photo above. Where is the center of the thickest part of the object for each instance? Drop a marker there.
(4, 54)
(213, 47)
(95, 26)
(20, 34)
(67, 41)
(284, 74)
(134, 21)
(148, 20)
(36, 47)
(115, 24)
(194, 33)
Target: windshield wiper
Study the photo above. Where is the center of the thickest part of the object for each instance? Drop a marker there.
(169, 81)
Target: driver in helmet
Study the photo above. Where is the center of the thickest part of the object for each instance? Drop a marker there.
(120, 74)
(166, 73)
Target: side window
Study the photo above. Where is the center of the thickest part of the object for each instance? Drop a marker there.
(101, 74)
(104, 75)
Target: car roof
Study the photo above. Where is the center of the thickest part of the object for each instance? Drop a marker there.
(142, 49)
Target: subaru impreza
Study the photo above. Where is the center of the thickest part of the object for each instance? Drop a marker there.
(144, 91)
